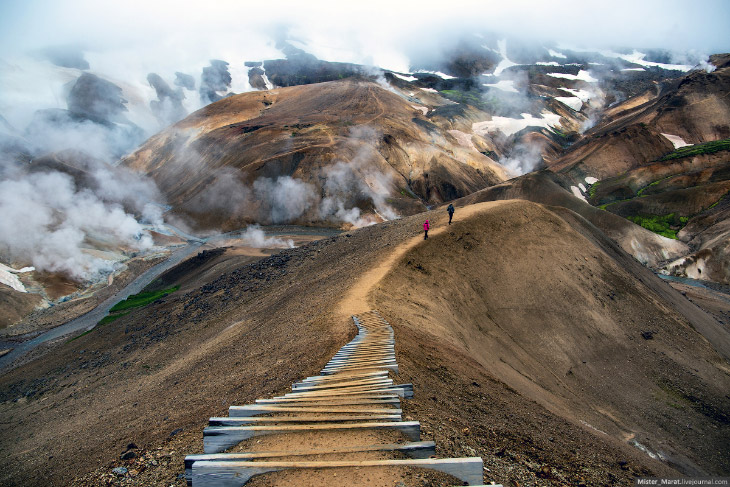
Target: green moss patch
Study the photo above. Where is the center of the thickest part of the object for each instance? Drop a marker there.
(698, 149)
(142, 299)
(665, 225)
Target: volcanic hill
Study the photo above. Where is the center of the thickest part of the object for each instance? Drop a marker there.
(348, 144)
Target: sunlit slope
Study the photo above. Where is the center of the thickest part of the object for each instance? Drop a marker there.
(549, 305)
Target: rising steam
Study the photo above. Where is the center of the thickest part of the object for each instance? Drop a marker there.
(52, 224)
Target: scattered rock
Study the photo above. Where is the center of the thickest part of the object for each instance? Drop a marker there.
(128, 455)
(175, 431)
(120, 471)
(647, 335)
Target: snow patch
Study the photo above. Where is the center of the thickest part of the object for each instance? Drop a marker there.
(423, 110)
(591, 180)
(509, 126)
(581, 76)
(572, 101)
(584, 95)
(582, 188)
(438, 73)
(633, 69)
(504, 85)
(404, 78)
(543, 63)
(557, 54)
(429, 90)
(577, 193)
(676, 140)
(505, 63)
(8, 277)
(269, 84)
(637, 57)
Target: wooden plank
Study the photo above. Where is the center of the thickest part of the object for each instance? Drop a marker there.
(236, 474)
(257, 409)
(339, 385)
(339, 401)
(347, 376)
(220, 438)
(350, 392)
(394, 368)
(330, 418)
(418, 449)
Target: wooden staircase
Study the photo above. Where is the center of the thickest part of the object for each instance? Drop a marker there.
(353, 394)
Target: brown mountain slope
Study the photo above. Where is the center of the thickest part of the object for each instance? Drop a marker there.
(208, 164)
(545, 187)
(549, 305)
(695, 108)
(678, 193)
(254, 330)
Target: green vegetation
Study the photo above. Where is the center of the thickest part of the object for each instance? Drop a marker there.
(641, 191)
(110, 318)
(133, 301)
(142, 299)
(698, 149)
(660, 224)
(593, 188)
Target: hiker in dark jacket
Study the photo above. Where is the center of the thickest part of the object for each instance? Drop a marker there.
(426, 226)
(450, 209)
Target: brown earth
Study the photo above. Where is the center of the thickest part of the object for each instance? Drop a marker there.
(16, 305)
(624, 151)
(153, 377)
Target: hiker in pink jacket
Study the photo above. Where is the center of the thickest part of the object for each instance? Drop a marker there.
(426, 226)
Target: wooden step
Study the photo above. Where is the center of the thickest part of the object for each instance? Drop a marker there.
(257, 409)
(345, 376)
(236, 474)
(220, 438)
(339, 385)
(336, 401)
(394, 368)
(395, 389)
(418, 449)
(304, 418)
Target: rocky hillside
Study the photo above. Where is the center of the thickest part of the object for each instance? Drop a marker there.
(663, 161)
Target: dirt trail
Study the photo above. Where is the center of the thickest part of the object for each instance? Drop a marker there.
(356, 301)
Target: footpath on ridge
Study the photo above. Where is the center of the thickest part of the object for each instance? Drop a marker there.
(342, 427)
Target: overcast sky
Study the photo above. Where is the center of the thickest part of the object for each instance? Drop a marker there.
(373, 29)
(124, 41)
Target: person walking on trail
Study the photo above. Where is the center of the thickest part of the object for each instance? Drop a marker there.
(426, 226)
(450, 209)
